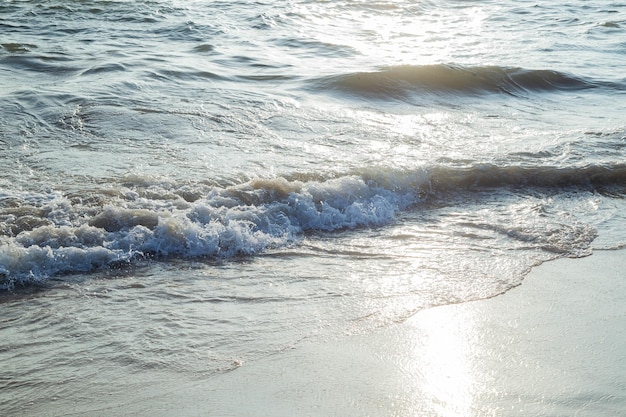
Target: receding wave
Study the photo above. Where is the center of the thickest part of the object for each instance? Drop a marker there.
(50, 234)
(404, 80)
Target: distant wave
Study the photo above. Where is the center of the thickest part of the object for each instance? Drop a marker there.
(493, 176)
(401, 81)
(46, 235)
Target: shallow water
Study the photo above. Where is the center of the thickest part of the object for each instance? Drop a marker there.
(190, 185)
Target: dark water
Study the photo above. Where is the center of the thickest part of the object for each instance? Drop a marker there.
(189, 185)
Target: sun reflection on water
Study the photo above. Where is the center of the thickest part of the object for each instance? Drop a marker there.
(443, 375)
(399, 32)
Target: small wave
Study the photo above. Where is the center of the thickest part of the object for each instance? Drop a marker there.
(317, 48)
(184, 75)
(204, 48)
(52, 64)
(494, 176)
(42, 236)
(18, 47)
(609, 24)
(104, 68)
(402, 81)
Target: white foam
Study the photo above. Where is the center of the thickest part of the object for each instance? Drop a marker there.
(241, 220)
(244, 219)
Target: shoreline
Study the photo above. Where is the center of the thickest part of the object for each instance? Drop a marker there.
(551, 346)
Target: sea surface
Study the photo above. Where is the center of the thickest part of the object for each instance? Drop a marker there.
(188, 186)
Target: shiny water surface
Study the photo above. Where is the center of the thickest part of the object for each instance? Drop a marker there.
(189, 185)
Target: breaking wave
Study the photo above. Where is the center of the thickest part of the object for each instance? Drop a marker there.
(46, 235)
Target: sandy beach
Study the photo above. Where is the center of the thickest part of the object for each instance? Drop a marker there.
(553, 346)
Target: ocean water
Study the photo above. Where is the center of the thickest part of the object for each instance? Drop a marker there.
(190, 185)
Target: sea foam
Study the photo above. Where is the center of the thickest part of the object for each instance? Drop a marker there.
(232, 221)
(149, 220)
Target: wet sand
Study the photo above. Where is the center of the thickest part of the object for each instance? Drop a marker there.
(554, 346)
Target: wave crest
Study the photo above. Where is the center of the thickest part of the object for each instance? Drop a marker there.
(404, 80)
(75, 235)
(239, 220)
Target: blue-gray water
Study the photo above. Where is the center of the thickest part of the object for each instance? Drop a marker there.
(188, 185)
